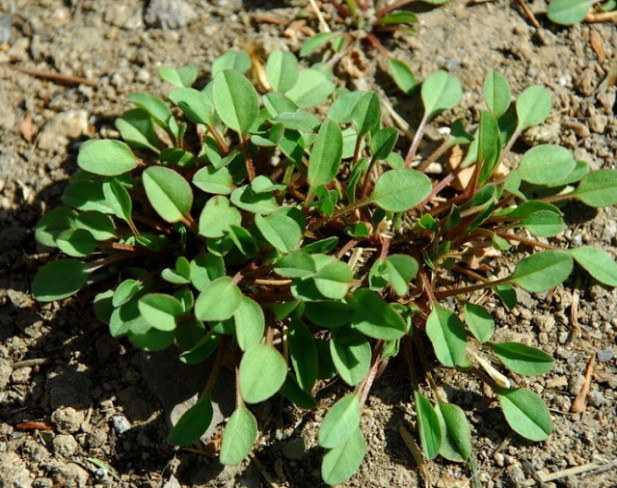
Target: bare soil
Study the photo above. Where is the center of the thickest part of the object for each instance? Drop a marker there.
(70, 394)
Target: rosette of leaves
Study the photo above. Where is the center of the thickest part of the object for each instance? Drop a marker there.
(298, 248)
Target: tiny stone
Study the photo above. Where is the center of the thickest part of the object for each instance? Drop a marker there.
(499, 459)
(71, 474)
(169, 14)
(576, 383)
(120, 424)
(603, 355)
(597, 399)
(5, 372)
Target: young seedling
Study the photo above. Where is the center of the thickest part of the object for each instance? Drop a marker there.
(299, 248)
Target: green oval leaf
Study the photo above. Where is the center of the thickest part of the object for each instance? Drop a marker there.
(125, 291)
(526, 413)
(312, 88)
(96, 223)
(250, 323)
(382, 143)
(160, 311)
(183, 76)
(219, 300)
(239, 437)
(195, 105)
(523, 359)
(340, 422)
(118, 200)
(217, 217)
(542, 271)
(568, 12)
(303, 354)
(235, 100)
(281, 231)
(54, 223)
(456, 441)
(400, 270)
(366, 113)
(532, 107)
(235, 59)
(447, 334)
(262, 373)
(325, 155)
(193, 423)
(154, 106)
(328, 313)
(546, 163)
(282, 70)
(543, 223)
(496, 93)
(429, 427)
(297, 264)
(598, 189)
(106, 157)
(402, 75)
(59, 279)
(169, 193)
(597, 263)
(375, 317)
(77, 243)
(137, 129)
(440, 91)
(479, 321)
(339, 464)
(333, 279)
(351, 355)
(399, 190)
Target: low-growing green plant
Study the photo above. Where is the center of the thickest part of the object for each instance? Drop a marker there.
(296, 248)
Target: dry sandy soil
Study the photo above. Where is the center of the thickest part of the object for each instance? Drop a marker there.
(70, 394)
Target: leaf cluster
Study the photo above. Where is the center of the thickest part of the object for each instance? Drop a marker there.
(245, 227)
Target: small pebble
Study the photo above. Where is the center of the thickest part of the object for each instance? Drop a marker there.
(120, 424)
(605, 355)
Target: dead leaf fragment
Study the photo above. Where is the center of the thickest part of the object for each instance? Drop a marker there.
(580, 402)
(27, 129)
(597, 44)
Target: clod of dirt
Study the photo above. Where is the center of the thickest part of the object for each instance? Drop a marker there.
(169, 14)
(67, 419)
(71, 474)
(5, 372)
(65, 445)
(15, 474)
(62, 127)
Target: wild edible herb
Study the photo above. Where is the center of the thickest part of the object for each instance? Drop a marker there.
(302, 248)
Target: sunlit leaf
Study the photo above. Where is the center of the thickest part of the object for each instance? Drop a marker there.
(542, 271)
(523, 359)
(340, 422)
(262, 373)
(239, 436)
(526, 413)
(447, 334)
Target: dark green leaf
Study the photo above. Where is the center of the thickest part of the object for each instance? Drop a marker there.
(366, 114)
(118, 200)
(59, 279)
(375, 317)
(543, 223)
(259, 203)
(333, 279)
(297, 264)
(489, 146)
(328, 313)
(293, 392)
(456, 441)
(53, 224)
(76, 243)
(303, 354)
(137, 129)
(206, 268)
(351, 355)
(523, 359)
(202, 349)
(193, 423)
(155, 107)
(383, 142)
(96, 223)
(429, 427)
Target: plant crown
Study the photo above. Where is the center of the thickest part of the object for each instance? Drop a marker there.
(299, 245)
